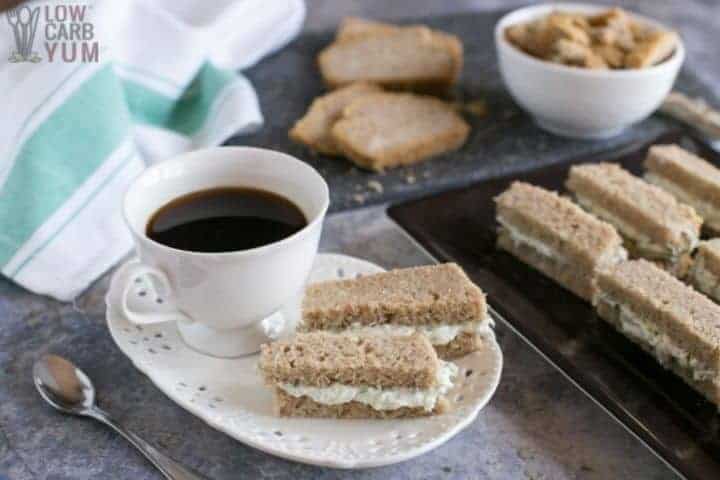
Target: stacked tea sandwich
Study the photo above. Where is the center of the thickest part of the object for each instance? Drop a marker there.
(439, 301)
(374, 346)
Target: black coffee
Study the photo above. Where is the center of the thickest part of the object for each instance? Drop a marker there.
(225, 220)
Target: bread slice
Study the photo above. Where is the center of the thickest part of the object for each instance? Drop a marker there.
(322, 374)
(313, 129)
(667, 318)
(652, 222)
(439, 301)
(705, 271)
(385, 130)
(693, 111)
(556, 236)
(688, 178)
(414, 57)
(353, 27)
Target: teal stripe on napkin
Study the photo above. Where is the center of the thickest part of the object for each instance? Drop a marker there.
(60, 155)
(185, 115)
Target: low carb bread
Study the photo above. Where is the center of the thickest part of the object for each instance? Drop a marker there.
(670, 320)
(385, 130)
(705, 271)
(413, 57)
(652, 222)
(688, 178)
(439, 301)
(323, 374)
(556, 236)
(313, 129)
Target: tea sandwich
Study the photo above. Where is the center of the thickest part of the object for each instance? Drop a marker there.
(323, 374)
(555, 236)
(687, 177)
(679, 326)
(439, 301)
(406, 57)
(653, 223)
(704, 274)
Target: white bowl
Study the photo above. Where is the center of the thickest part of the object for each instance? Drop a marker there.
(579, 102)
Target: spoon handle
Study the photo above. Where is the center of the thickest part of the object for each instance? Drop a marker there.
(169, 467)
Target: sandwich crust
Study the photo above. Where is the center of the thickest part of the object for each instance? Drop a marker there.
(321, 359)
(608, 190)
(674, 309)
(578, 279)
(689, 178)
(429, 295)
(557, 222)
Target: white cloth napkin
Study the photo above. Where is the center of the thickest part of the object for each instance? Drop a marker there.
(74, 133)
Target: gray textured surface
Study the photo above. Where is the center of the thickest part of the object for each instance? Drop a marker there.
(538, 426)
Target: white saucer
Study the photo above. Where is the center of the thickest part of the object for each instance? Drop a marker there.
(229, 394)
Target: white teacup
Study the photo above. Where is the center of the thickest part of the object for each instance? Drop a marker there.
(219, 300)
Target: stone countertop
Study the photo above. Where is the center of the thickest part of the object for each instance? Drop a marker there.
(537, 426)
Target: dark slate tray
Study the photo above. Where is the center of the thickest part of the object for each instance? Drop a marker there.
(505, 141)
(670, 417)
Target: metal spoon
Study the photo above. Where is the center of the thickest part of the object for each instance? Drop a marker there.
(68, 389)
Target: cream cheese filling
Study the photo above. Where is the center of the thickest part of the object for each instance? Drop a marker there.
(441, 334)
(641, 241)
(661, 344)
(611, 257)
(379, 398)
(519, 238)
(709, 212)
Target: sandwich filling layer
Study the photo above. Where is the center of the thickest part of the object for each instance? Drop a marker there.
(379, 398)
(643, 243)
(709, 212)
(437, 334)
(519, 238)
(663, 347)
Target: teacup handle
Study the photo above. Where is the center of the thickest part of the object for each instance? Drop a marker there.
(166, 308)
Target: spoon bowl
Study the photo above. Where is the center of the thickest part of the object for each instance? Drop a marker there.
(63, 385)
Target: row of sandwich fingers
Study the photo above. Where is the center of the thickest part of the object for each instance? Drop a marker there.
(636, 286)
(653, 223)
(672, 321)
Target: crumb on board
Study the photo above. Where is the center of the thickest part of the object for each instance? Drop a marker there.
(359, 198)
(411, 179)
(375, 185)
(477, 108)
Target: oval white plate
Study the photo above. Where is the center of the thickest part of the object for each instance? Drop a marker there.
(230, 396)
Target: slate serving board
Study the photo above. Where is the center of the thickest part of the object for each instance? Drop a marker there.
(504, 141)
(670, 417)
